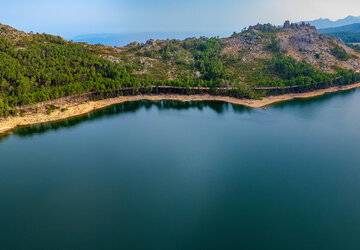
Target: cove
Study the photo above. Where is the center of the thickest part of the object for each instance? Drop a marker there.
(195, 175)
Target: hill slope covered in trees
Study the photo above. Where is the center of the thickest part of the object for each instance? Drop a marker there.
(348, 33)
(40, 67)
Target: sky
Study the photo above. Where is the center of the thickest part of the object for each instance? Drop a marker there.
(77, 17)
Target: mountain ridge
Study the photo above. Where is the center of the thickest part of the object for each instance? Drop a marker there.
(355, 27)
(323, 23)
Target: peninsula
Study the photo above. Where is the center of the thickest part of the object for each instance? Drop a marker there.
(45, 78)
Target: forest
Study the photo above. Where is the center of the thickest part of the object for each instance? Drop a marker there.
(347, 36)
(303, 74)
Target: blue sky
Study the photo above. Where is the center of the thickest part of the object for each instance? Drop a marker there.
(75, 17)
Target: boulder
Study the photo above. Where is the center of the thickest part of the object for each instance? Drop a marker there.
(287, 24)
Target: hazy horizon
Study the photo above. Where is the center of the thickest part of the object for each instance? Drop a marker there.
(122, 39)
(74, 18)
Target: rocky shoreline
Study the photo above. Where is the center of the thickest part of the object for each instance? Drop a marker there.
(77, 109)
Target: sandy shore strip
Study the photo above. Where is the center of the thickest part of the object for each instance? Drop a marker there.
(83, 108)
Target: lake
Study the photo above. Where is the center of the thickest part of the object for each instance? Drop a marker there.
(199, 175)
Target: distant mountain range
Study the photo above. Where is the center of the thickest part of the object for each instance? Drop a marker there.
(327, 23)
(122, 39)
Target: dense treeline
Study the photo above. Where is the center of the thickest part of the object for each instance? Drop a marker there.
(347, 36)
(293, 73)
(207, 58)
(48, 67)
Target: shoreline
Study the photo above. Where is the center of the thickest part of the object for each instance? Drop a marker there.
(77, 109)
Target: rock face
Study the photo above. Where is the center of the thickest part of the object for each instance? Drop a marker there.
(304, 43)
(303, 37)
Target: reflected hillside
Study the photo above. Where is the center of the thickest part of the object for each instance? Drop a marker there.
(125, 108)
(216, 106)
(132, 107)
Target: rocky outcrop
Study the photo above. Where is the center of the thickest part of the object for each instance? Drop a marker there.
(288, 25)
(301, 36)
(304, 43)
(299, 41)
(190, 39)
(12, 33)
(197, 74)
(111, 58)
(149, 43)
(133, 44)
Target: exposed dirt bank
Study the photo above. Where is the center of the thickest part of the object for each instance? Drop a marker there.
(76, 109)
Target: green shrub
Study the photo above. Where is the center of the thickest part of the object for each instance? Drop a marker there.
(339, 53)
(273, 45)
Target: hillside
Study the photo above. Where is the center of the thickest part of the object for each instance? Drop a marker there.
(250, 64)
(348, 33)
(243, 57)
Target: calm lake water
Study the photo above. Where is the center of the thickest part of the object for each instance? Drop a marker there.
(201, 175)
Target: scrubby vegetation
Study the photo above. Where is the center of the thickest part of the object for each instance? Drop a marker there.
(339, 53)
(273, 45)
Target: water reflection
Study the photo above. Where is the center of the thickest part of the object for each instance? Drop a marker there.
(220, 178)
(218, 106)
(128, 107)
(4, 136)
(316, 100)
(132, 107)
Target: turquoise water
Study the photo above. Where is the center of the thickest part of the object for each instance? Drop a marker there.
(200, 175)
